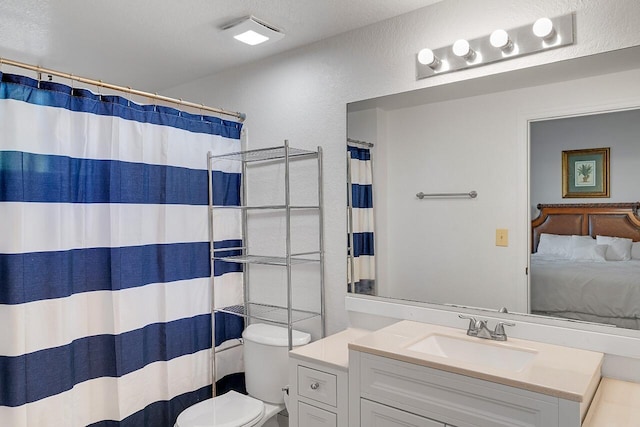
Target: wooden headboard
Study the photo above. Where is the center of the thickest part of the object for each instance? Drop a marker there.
(605, 219)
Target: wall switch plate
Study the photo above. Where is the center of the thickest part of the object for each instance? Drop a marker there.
(502, 237)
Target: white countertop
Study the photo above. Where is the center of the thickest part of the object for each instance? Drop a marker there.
(616, 404)
(331, 351)
(557, 371)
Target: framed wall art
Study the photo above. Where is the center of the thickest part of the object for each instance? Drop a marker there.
(585, 173)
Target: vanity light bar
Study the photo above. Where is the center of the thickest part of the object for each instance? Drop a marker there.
(544, 34)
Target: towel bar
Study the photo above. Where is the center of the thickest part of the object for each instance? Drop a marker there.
(471, 195)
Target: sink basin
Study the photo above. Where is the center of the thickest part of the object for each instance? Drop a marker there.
(477, 351)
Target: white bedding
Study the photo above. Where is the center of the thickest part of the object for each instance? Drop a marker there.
(599, 290)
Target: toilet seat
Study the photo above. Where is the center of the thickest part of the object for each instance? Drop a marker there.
(231, 409)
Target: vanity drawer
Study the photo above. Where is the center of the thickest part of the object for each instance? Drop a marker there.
(453, 398)
(310, 416)
(317, 385)
(374, 414)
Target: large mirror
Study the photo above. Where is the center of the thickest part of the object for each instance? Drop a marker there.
(501, 138)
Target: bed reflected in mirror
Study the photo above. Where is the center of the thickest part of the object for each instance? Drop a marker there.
(585, 262)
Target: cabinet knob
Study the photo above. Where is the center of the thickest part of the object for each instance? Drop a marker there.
(315, 386)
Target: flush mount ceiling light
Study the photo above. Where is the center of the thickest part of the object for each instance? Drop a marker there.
(544, 34)
(253, 31)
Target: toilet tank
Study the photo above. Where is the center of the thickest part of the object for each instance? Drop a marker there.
(266, 357)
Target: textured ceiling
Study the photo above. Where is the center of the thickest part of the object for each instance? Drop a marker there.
(157, 44)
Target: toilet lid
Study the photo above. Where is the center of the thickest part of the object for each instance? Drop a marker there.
(232, 409)
(275, 336)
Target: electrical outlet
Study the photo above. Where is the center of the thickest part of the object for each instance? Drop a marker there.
(502, 237)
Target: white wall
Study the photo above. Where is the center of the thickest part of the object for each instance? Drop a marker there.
(302, 95)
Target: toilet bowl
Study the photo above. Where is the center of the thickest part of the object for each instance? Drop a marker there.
(266, 355)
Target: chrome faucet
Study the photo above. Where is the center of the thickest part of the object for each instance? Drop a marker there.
(478, 328)
(482, 331)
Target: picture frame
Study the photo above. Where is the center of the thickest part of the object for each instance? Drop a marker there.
(585, 173)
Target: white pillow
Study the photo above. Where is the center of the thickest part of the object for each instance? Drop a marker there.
(585, 248)
(619, 248)
(635, 250)
(555, 245)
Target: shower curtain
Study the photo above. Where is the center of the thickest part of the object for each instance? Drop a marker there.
(361, 180)
(104, 256)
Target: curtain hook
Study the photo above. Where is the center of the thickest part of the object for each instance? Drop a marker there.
(129, 99)
(181, 107)
(155, 102)
(100, 90)
(202, 112)
(73, 84)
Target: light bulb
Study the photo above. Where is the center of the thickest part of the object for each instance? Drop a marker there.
(427, 57)
(462, 49)
(543, 28)
(500, 39)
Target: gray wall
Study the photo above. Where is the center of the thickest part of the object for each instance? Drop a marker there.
(619, 130)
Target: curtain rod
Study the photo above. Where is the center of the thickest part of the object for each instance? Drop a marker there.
(100, 83)
(364, 143)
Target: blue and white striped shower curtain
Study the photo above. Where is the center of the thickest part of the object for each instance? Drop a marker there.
(104, 257)
(361, 178)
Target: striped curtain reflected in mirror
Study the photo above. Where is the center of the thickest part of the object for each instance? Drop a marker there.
(361, 269)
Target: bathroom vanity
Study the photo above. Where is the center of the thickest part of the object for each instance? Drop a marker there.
(617, 403)
(318, 381)
(416, 374)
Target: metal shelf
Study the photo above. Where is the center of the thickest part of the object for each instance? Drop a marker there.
(266, 207)
(265, 260)
(269, 313)
(281, 315)
(262, 154)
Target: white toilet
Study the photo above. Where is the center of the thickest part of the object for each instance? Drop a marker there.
(266, 357)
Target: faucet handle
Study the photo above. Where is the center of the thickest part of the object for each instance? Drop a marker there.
(498, 333)
(472, 323)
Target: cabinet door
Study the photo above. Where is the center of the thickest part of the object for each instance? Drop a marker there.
(446, 396)
(373, 414)
(310, 416)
